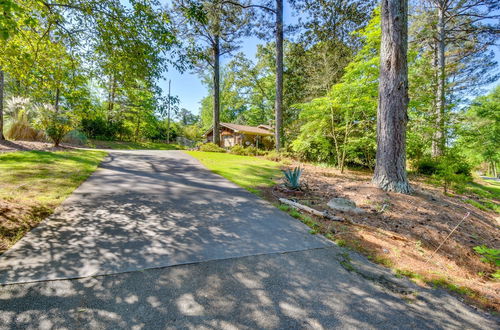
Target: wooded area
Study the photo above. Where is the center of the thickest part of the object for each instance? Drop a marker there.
(83, 69)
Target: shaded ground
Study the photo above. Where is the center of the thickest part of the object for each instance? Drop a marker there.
(145, 209)
(305, 289)
(402, 231)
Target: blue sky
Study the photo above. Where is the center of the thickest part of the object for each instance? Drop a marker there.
(188, 87)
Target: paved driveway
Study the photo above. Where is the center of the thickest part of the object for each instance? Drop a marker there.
(176, 246)
(149, 209)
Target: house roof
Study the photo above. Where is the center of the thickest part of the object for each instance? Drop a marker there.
(246, 129)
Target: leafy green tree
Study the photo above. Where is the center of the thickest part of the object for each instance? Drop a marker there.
(340, 127)
(55, 122)
(457, 35)
(479, 133)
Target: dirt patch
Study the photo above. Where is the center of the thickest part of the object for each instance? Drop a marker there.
(16, 219)
(10, 146)
(402, 231)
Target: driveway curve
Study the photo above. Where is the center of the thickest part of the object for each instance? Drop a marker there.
(150, 209)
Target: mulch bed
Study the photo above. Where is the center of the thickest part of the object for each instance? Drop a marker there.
(10, 146)
(403, 231)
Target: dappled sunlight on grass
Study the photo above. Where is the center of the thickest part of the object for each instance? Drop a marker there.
(45, 176)
(33, 183)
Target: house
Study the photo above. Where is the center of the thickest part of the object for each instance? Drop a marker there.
(233, 134)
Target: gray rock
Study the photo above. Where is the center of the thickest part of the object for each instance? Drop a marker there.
(344, 205)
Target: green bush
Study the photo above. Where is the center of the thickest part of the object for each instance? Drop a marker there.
(452, 170)
(427, 165)
(55, 123)
(76, 137)
(254, 151)
(273, 155)
(248, 151)
(211, 147)
(238, 150)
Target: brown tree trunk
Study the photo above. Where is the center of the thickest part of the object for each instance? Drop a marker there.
(390, 168)
(168, 114)
(137, 127)
(56, 101)
(439, 140)
(2, 83)
(279, 76)
(112, 93)
(216, 79)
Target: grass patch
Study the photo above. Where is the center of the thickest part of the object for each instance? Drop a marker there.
(410, 274)
(128, 145)
(461, 290)
(485, 194)
(247, 172)
(484, 205)
(33, 183)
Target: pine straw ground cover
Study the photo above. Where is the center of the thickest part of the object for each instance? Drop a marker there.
(402, 232)
(34, 183)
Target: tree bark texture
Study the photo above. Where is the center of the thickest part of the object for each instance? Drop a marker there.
(279, 76)
(2, 83)
(439, 140)
(56, 100)
(168, 114)
(390, 168)
(216, 80)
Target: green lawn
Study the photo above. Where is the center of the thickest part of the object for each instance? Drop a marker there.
(121, 145)
(33, 183)
(248, 172)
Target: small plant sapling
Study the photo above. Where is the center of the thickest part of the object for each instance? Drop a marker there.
(292, 177)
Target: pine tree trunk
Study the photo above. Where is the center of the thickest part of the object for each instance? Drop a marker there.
(2, 83)
(438, 141)
(168, 114)
(111, 97)
(216, 78)
(279, 75)
(390, 168)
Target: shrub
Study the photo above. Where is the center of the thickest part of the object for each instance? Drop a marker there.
(426, 165)
(452, 169)
(55, 123)
(22, 130)
(76, 137)
(21, 111)
(292, 177)
(273, 155)
(238, 150)
(211, 147)
(103, 129)
(248, 151)
(254, 151)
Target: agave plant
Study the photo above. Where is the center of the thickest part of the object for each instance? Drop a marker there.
(292, 177)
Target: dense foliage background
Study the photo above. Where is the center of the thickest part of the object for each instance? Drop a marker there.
(84, 69)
